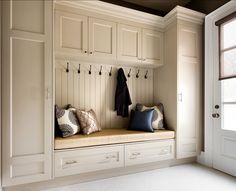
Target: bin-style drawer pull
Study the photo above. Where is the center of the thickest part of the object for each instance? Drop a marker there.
(71, 162)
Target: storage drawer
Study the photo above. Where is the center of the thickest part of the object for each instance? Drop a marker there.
(151, 151)
(88, 159)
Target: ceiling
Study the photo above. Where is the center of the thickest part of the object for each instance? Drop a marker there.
(162, 7)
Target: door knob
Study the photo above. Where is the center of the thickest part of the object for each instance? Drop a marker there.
(215, 115)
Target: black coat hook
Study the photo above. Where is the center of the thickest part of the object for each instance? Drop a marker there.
(67, 67)
(90, 71)
(79, 69)
(100, 72)
(137, 75)
(110, 73)
(129, 73)
(146, 75)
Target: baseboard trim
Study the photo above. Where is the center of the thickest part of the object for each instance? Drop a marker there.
(92, 176)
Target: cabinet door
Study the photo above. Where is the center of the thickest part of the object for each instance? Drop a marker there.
(102, 38)
(189, 91)
(129, 43)
(71, 34)
(27, 91)
(152, 47)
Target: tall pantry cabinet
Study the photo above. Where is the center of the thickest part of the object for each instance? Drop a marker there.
(27, 86)
(178, 84)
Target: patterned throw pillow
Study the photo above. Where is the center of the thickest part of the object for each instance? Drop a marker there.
(158, 117)
(88, 121)
(67, 121)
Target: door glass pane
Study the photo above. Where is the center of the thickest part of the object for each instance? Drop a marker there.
(229, 31)
(229, 63)
(228, 111)
(229, 117)
(229, 90)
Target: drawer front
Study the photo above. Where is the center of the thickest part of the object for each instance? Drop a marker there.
(145, 152)
(88, 159)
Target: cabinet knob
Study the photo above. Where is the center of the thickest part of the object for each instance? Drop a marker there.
(85, 51)
(90, 52)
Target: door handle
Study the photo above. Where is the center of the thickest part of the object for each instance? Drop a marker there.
(215, 115)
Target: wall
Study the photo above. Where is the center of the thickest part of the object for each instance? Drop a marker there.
(96, 91)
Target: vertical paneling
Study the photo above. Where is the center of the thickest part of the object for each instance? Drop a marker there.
(97, 92)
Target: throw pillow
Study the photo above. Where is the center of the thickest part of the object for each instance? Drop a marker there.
(88, 121)
(141, 121)
(158, 117)
(67, 121)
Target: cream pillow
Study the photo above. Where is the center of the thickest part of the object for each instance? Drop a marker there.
(88, 121)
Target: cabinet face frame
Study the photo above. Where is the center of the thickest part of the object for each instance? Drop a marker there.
(145, 50)
(122, 42)
(82, 21)
(24, 165)
(97, 43)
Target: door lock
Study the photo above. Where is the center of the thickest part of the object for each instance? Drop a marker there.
(215, 115)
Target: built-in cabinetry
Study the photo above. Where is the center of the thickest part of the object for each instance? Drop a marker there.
(178, 84)
(92, 32)
(140, 45)
(27, 96)
(84, 36)
(91, 38)
(77, 161)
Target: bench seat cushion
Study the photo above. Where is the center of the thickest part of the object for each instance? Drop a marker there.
(111, 136)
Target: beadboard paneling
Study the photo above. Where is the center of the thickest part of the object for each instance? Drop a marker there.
(96, 91)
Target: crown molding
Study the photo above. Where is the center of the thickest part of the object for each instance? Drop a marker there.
(185, 14)
(108, 9)
(120, 12)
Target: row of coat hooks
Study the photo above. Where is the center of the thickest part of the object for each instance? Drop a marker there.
(110, 72)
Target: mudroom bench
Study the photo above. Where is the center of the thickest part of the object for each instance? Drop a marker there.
(111, 148)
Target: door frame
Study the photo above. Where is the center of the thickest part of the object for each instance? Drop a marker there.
(211, 54)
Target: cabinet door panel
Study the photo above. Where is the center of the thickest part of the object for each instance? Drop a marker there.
(27, 89)
(152, 47)
(189, 91)
(71, 33)
(102, 38)
(129, 43)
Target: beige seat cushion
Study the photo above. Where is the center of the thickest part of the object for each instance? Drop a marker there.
(111, 136)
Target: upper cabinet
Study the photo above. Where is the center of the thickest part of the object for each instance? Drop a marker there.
(129, 43)
(84, 36)
(90, 37)
(102, 38)
(71, 33)
(152, 47)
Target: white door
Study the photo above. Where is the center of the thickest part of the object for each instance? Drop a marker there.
(102, 38)
(224, 108)
(27, 91)
(129, 43)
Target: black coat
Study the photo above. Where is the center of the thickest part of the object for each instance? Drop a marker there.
(122, 97)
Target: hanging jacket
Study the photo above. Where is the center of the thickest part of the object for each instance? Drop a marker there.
(122, 97)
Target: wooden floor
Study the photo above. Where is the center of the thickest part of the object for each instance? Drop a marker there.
(189, 177)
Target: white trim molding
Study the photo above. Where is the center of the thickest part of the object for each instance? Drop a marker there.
(132, 15)
(211, 33)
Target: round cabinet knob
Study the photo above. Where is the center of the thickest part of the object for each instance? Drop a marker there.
(90, 52)
(215, 115)
(85, 51)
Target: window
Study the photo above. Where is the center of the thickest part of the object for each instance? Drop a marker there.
(227, 46)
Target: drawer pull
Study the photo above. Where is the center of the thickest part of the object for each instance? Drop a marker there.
(136, 154)
(164, 151)
(108, 159)
(71, 162)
